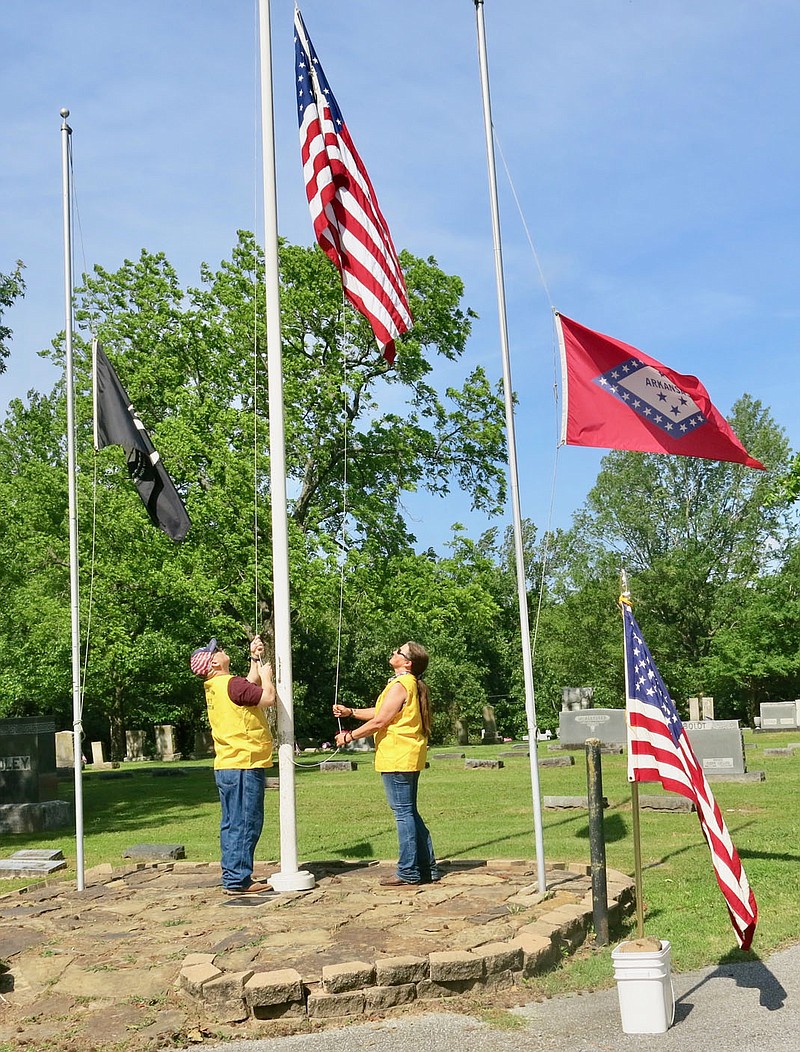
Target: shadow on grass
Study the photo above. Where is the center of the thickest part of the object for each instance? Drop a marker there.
(132, 799)
(614, 828)
(693, 847)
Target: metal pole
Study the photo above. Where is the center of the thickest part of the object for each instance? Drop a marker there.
(625, 597)
(77, 717)
(597, 843)
(637, 860)
(508, 390)
(289, 878)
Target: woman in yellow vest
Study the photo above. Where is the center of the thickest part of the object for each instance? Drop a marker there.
(400, 721)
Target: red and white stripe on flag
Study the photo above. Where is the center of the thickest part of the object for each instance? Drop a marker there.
(348, 223)
(660, 751)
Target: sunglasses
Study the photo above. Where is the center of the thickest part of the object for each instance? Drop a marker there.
(402, 655)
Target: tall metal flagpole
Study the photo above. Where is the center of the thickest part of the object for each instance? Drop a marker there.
(522, 592)
(289, 878)
(77, 716)
(625, 597)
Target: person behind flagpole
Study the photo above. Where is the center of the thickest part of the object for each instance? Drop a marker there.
(400, 722)
(243, 750)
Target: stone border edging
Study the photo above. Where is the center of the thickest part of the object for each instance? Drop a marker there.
(357, 988)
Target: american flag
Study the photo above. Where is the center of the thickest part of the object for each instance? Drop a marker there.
(659, 751)
(348, 222)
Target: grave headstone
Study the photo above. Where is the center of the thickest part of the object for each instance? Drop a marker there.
(708, 708)
(557, 761)
(361, 744)
(163, 852)
(462, 733)
(778, 715)
(98, 754)
(472, 764)
(489, 731)
(717, 744)
(581, 802)
(134, 745)
(32, 864)
(65, 749)
(27, 760)
(573, 698)
(574, 727)
(203, 744)
(694, 709)
(667, 802)
(165, 742)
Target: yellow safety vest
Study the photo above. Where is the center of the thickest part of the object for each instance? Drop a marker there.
(242, 738)
(402, 746)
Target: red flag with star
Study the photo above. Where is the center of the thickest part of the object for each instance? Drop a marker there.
(617, 397)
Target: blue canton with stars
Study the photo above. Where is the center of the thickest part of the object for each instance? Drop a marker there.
(305, 59)
(653, 397)
(644, 680)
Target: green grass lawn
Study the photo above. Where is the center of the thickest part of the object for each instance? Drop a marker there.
(485, 814)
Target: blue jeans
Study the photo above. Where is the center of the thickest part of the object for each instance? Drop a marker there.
(416, 862)
(241, 793)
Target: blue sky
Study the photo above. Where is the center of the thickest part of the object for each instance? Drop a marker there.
(654, 151)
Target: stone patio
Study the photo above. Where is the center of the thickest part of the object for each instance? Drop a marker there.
(157, 949)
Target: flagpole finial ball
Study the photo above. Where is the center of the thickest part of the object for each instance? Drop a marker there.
(64, 111)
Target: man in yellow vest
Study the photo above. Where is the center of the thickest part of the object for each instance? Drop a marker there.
(243, 751)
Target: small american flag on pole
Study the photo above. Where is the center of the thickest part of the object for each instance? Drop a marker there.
(348, 222)
(659, 751)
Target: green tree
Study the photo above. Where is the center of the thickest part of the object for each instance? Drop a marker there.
(192, 362)
(11, 287)
(689, 532)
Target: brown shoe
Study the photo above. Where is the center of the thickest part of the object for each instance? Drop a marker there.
(255, 888)
(396, 882)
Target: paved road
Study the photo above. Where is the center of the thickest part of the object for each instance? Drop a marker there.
(753, 1007)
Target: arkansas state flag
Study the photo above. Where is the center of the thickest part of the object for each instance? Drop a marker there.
(616, 397)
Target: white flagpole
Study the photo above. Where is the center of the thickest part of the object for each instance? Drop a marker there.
(77, 716)
(289, 878)
(522, 593)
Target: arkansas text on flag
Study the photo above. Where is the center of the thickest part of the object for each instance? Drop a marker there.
(660, 751)
(348, 222)
(617, 397)
(116, 424)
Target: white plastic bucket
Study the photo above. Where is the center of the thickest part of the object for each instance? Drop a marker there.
(646, 1000)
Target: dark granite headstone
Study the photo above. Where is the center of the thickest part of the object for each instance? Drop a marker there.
(27, 760)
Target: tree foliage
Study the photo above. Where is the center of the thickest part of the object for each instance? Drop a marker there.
(12, 286)
(359, 435)
(709, 548)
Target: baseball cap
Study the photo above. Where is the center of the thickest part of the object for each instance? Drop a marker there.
(200, 661)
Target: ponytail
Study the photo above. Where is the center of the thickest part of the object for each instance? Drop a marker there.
(418, 656)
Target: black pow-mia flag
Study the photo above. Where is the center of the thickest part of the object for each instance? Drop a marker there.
(116, 424)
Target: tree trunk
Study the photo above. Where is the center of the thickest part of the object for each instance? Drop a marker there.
(117, 723)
